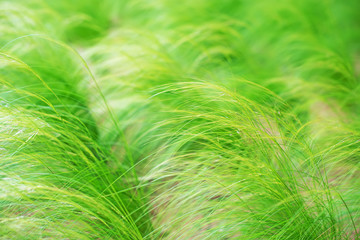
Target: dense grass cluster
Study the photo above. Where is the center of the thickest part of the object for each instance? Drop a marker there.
(193, 119)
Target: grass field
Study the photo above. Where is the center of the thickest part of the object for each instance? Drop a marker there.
(163, 119)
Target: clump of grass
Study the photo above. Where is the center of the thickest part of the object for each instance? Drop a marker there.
(200, 120)
(246, 163)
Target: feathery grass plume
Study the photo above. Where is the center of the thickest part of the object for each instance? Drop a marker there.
(56, 176)
(241, 170)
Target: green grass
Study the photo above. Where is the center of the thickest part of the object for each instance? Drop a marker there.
(179, 120)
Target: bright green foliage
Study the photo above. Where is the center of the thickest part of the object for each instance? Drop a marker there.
(159, 119)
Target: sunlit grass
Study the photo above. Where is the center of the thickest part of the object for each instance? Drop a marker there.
(165, 120)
